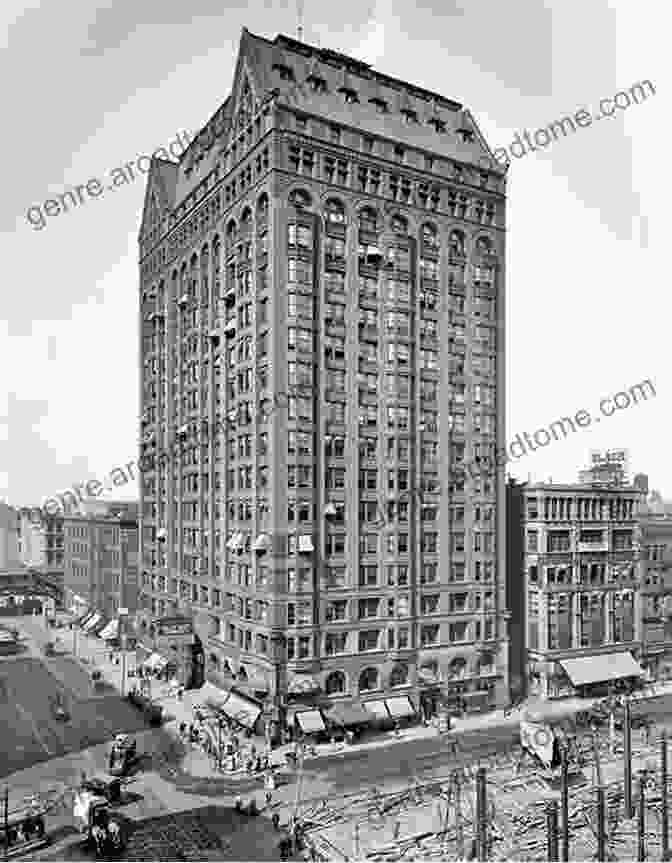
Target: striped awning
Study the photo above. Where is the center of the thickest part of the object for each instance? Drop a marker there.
(91, 622)
(110, 631)
(303, 684)
(243, 711)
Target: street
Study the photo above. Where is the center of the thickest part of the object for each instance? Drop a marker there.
(167, 813)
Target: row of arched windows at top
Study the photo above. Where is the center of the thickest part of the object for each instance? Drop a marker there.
(369, 220)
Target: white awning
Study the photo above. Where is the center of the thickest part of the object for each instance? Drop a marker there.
(235, 542)
(310, 721)
(230, 327)
(400, 707)
(600, 669)
(330, 509)
(184, 299)
(91, 622)
(377, 708)
(243, 711)
(111, 631)
(306, 544)
(155, 662)
(161, 533)
(262, 542)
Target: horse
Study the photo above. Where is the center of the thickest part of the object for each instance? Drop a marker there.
(114, 833)
(99, 836)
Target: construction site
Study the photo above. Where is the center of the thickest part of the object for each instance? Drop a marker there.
(569, 793)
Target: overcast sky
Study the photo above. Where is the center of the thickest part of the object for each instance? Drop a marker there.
(91, 85)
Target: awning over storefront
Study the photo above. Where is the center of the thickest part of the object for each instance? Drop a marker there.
(243, 711)
(400, 707)
(155, 662)
(110, 631)
(262, 543)
(91, 622)
(256, 679)
(310, 721)
(305, 544)
(84, 618)
(600, 669)
(347, 715)
(302, 684)
(377, 708)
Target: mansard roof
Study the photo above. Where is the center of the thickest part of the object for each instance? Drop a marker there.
(263, 64)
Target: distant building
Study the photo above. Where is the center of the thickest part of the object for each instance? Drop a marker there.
(582, 586)
(101, 557)
(656, 588)
(9, 537)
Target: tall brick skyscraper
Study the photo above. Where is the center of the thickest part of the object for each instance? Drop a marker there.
(322, 328)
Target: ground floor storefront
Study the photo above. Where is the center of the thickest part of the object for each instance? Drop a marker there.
(594, 674)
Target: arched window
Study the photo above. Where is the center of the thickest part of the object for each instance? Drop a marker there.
(429, 671)
(246, 221)
(457, 666)
(226, 667)
(214, 661)
(399, 224)
(456, 243)
(430, 237)
(483, 246)
(368, 219)
(300, 199)
(262, 208)
(368, 680)
(399, 676)
(335, 683)
(242, 674)
(335, 212)
(231, 236)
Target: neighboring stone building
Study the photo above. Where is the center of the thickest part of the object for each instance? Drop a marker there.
(322, 341)
(101, 558)
(656, 588)
(9, 537)
(583, 598)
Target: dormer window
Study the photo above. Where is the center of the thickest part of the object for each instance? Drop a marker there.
(409, 115)
(349, 95)
(399, 153)
(315, 79)
(438, 123)
(379, 104)
(285, 72)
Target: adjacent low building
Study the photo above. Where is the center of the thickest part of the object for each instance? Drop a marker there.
(582, 582)
(101, 557)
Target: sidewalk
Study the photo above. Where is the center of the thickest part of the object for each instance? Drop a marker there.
(200, 765)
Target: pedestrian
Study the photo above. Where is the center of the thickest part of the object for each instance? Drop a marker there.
(275, 820)
(183, 730)
(269, 797)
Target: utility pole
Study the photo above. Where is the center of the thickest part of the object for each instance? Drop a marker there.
(664, 815)
(601, 825)
(552, 830)
(6, 821)
(564, 802)
(481, 815)
(627, 760)
(459, 834)
(641, 816)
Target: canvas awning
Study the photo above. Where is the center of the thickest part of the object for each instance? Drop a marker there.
(310, 721)
(378, 709)
(243, 711)
(348, 715)
(155, 662)
(110, 631)
(262, 542)
(91, 622)
(235, 542)
(302, 684)
(306, 544)
(400, 707)
(600, 669)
